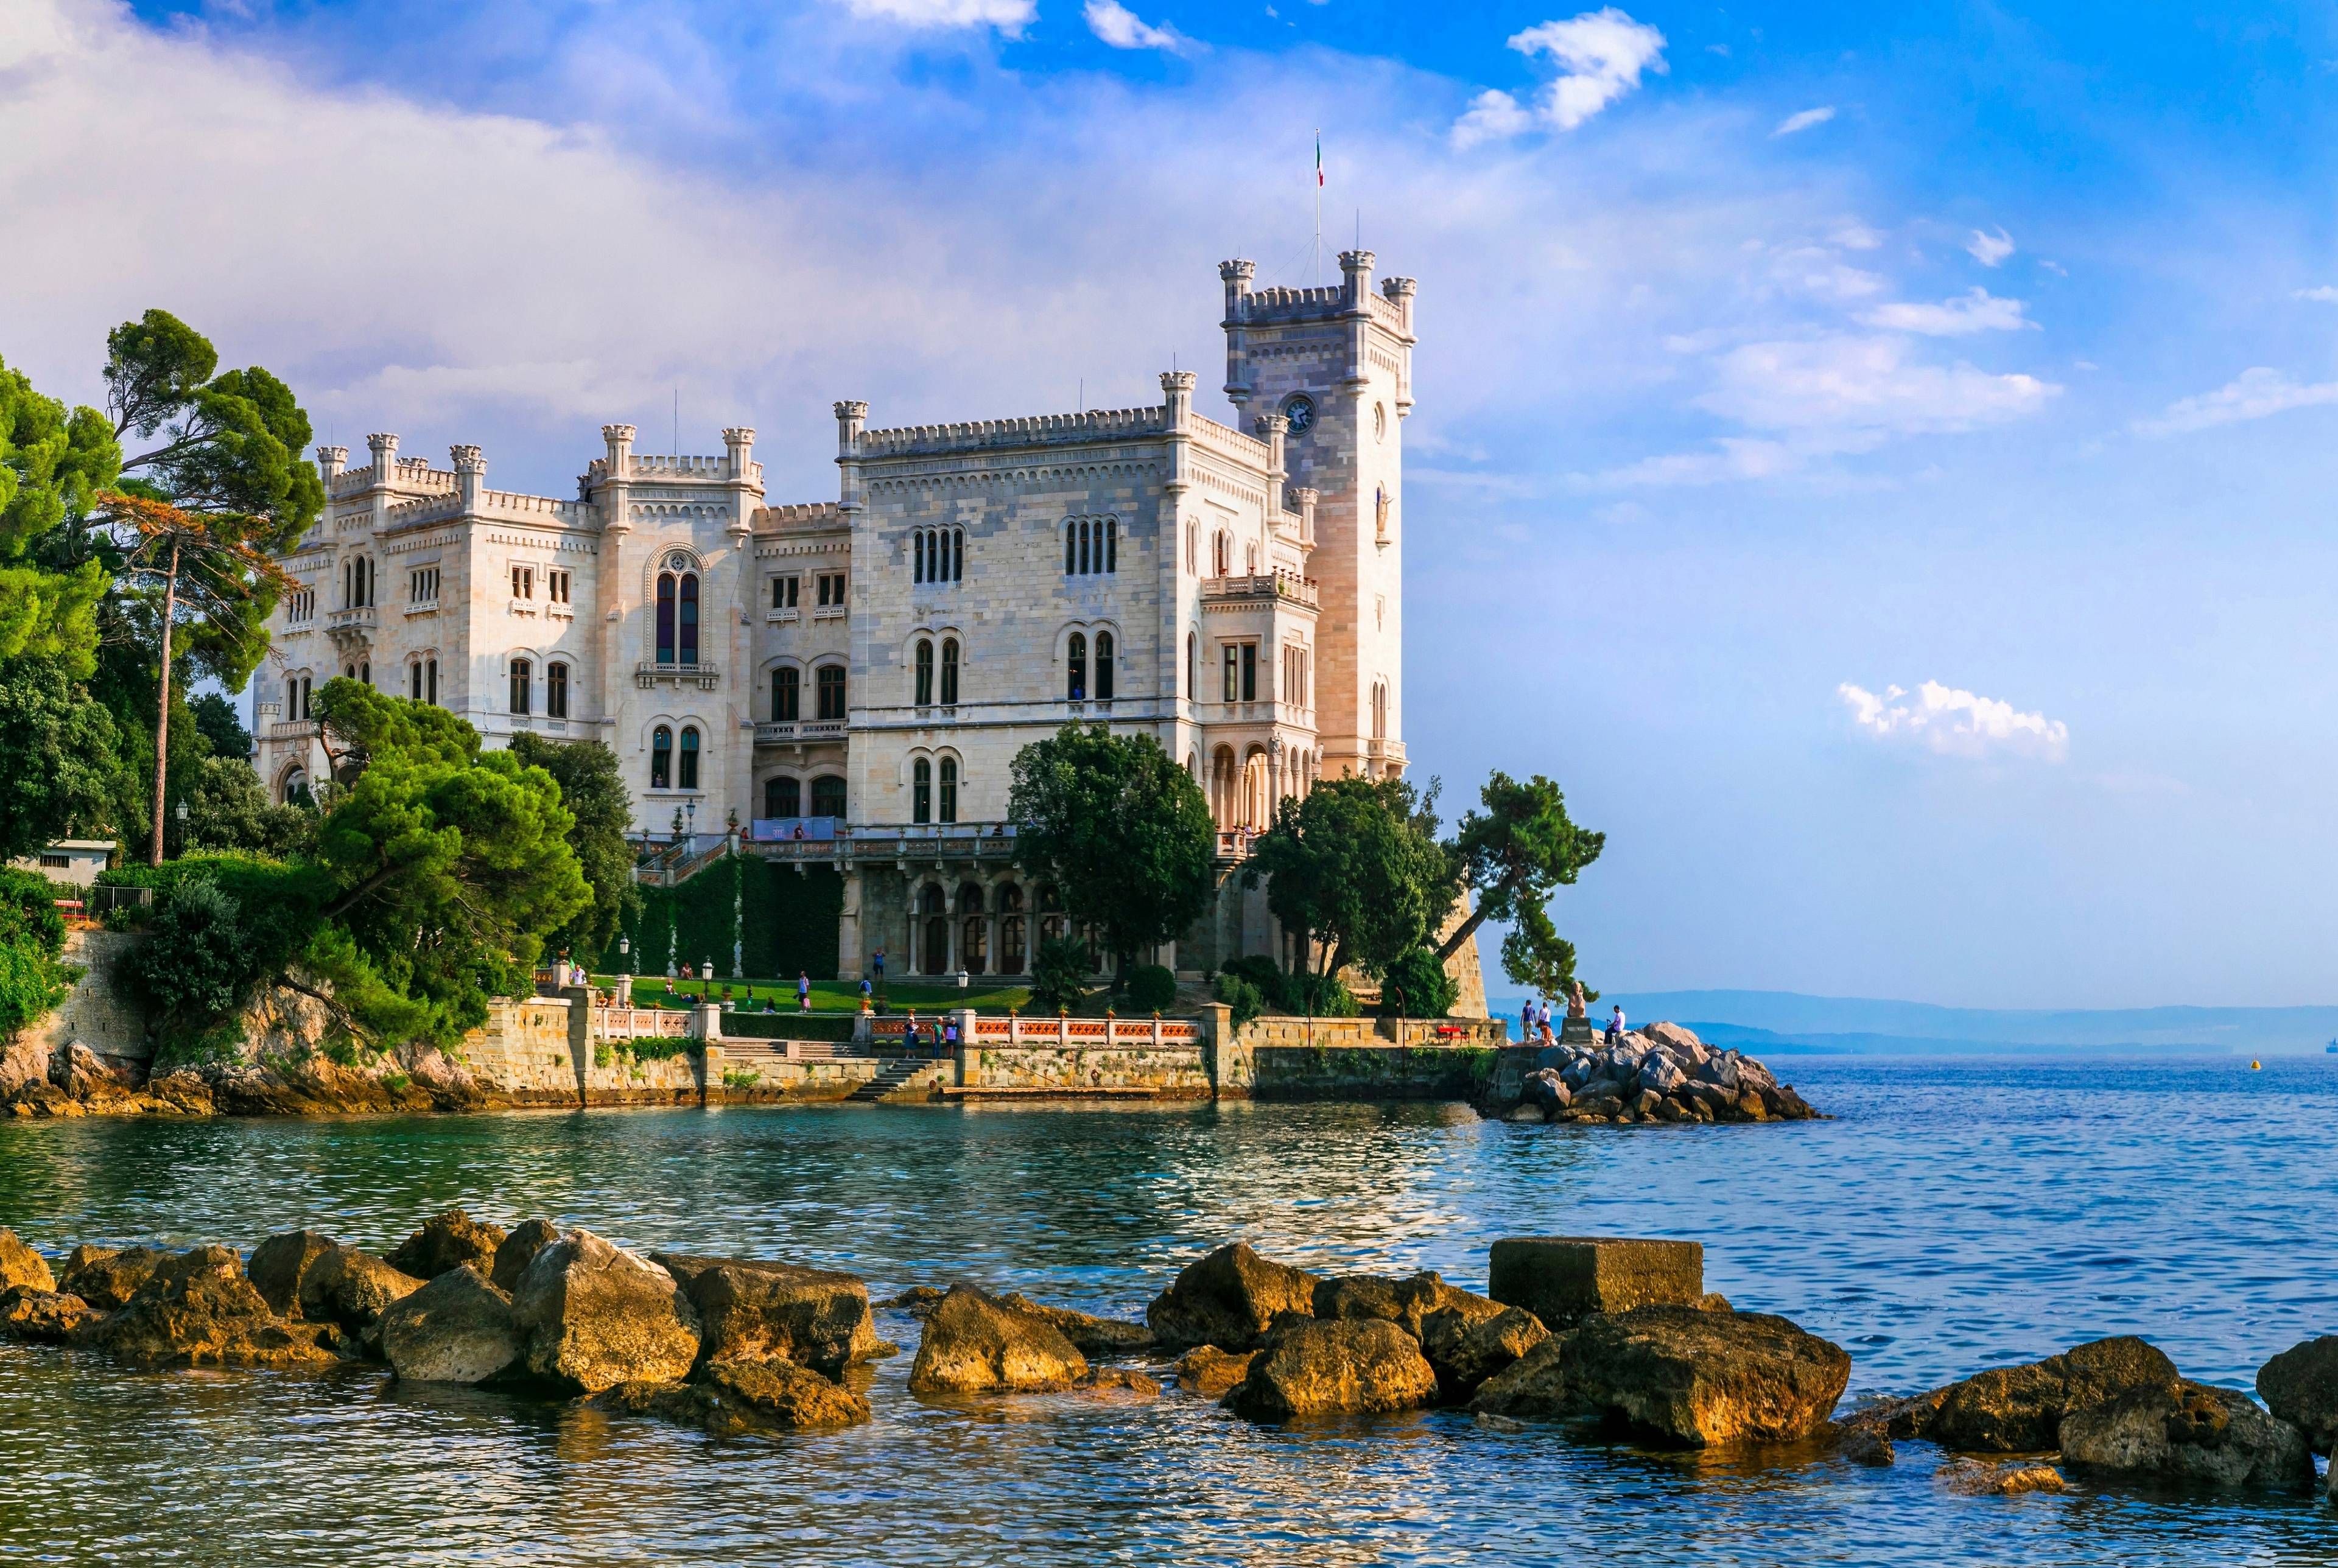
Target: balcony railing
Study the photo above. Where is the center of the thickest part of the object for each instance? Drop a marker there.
(361, 618)
(1262, 587)
(294, 728)
(651, 672)
(776, 733)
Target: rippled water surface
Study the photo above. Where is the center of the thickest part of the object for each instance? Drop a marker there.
(1953, 1215)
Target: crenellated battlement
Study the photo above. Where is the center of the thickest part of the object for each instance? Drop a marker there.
(1038, 430)
(804, 515)
(688, 467)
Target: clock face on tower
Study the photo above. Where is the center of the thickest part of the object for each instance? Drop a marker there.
(1300, 410)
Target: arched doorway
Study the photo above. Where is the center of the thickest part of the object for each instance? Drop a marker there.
(935, 949)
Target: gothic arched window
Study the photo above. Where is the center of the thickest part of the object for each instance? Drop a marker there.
(924, 691)
(1076, 686)
(690, 757)
(787, 695)
(921, 790)
(555, 691)
(665, 618)
(1071, 548)
(949, 671)
(949, 790)
(689, 628)
(521, 682)
(827, 795)
(1111, 558)
(660, 757)
(1103, 667)
(830, 681)
(783, 797)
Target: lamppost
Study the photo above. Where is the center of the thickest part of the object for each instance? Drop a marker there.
(181, 814)
(692, 806)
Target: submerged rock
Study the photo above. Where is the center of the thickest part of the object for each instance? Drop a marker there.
(1118, 1382)
(2301, 1387)
(20, 1265)
(42, 1317)
(2188, 1434)
(1228, 1299)
(519, 1249)
(197, 1309)
(918, 1300)
(736, 1397)
(1346, 1366)
(107, 1277)
(593, 1316)
(1091, 1336)
(1865, 1441)
(1210, 1372)
(2019, 1409)
(1971, 1478)
(281, 1264)
(457, 1329)
(447, 1239)
(757, 1311)
(974, 1344)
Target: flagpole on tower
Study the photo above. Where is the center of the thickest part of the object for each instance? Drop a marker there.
(1319, 206)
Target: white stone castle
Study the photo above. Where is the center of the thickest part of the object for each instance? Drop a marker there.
(849, 681)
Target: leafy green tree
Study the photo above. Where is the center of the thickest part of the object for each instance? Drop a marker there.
(1356, 866)
(450, 866)
(1519, 851)
(1243, 998)
(356, 724)
(1123, 831)
(593, 788)
(52, 465)
(219, 723)
(57, 750)
(228, 809)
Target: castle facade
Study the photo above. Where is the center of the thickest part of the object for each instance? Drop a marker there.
(847, 682)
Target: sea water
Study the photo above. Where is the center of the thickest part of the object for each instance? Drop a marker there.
(1952, 1215)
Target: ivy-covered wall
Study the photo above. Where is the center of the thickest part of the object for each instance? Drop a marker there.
(785, 920)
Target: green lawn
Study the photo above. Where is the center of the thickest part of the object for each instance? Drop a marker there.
(827, 995)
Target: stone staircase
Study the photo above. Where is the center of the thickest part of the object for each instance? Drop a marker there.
(900, 1078)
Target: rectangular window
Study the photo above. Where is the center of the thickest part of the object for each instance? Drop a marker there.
(523, 581)
(422, 585)
(787, 689)
(1234, 673)
(522, 683)
(830, 679)
(555, 689)
(556, 587)
(430, 681)
(831, 588)
(54, 862)
(784, 591)
(1250, 671)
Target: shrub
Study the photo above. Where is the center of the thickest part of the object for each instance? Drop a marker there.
(195, 964)
(33, 977)
(1265, 975)
(1321, 997)
(1059, 973)
(1242, 996)
(1417, 987)
(1151, 988)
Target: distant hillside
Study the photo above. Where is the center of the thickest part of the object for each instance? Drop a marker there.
(1788, 1021)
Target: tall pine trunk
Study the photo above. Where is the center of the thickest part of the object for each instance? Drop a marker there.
(162, 714)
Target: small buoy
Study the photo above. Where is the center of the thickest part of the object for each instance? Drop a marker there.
(2255, 1066)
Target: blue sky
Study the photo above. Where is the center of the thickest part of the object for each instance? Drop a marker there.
(1879, 464)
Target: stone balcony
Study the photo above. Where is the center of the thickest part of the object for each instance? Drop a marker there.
(650, 673)
(772, 732)
(1259, 587)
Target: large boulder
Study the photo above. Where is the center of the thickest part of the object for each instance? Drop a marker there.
(1348, 1366)
(197, 1309)
(755, 1312)
(2189, 1433)
(352, 1288)
(281, 1265)
(1210, 1372)
(2019, 1409)
(519, 1249)
(593, 1315)
(1701, 1380)
(2301, 1387)
(447, 1239)
(1563, 1279)
(1228, 1299)
(20, 1265)
(456, 1329)
(976, 1344)
(108, 1276)
(42, 1317)
(1407, 1302)
(1466, 1348)
(734, 1397)
(1534, 1387)
(1090, 1335)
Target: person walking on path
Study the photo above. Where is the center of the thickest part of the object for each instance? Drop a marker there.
(803, 992)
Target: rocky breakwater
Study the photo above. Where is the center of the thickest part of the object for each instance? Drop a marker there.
(730, 1344)
(2115, 1410)
(1662, 1073)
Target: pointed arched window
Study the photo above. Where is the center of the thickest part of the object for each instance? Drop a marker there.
(949, 671)
(661, 758)
(1103, 667)
(786, 696)
(689, 627)
(665, 618)
(924, 689)
(949, 790)
(921, 790)
(1076, 686)
(690, 757)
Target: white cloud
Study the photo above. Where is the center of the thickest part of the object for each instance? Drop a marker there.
(1494, 116)
(1848, 384)
(2324, 295)
(1954, 722)
(1602, 53)
(1006, 16)
(1988, 250)
(2254, 394)
(1119, 26)
(1976, 310)
(1805, 120)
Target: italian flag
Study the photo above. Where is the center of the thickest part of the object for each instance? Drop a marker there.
(1319, 161)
